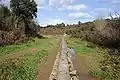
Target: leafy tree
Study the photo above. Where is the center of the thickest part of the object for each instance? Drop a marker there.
(4, 12)
(4, 16)
(24, 10)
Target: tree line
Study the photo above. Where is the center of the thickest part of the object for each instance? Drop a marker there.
(17, 22)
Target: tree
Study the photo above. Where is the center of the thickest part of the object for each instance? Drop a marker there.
(62, 24)
(4, 16)
(79, 23)
(24, 10)
(4, 11)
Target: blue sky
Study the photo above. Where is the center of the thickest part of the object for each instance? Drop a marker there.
(72, 11)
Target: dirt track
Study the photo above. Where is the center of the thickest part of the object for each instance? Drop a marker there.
(45, 69)
(80, 64)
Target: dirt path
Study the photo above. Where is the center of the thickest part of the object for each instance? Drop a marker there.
(46, 68)
(81, 65)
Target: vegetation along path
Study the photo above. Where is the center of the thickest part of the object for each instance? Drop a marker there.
(49, 59)
(67, 65)
(17, 63)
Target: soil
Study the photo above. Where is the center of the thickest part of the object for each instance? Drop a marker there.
(45, 69)
(81, 65)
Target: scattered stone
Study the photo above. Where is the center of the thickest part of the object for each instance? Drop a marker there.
(73, 73)
(90, 45)
(54, 72)
(74, 78)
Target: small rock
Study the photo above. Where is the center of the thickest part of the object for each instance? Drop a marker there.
(73, 73)
(74, 78)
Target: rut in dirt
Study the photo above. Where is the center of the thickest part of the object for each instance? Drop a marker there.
(63, 67)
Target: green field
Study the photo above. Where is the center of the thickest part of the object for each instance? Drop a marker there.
(20, 61)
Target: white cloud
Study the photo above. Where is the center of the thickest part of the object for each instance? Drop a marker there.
(40, 7)
(73, 7)
(47, 8)
(5, 2)
(66, 5)
(76, 7)
(80, 15)
(53, 2)
(40, 2)
(60, 2)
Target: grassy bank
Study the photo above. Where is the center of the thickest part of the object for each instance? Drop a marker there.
(25, 67)
(89, 55)
(82, 47)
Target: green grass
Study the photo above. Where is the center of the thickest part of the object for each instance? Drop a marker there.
(25, 68)
(81, 47)
(8, 49)
(29, 69)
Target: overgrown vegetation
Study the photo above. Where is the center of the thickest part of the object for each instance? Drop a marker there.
(106, 33)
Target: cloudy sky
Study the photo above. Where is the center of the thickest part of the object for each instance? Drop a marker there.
(72, 11)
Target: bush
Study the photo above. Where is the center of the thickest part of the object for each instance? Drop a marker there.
(111, 64)
(7, 67)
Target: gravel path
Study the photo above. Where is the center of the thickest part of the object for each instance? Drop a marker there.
(63, 67)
